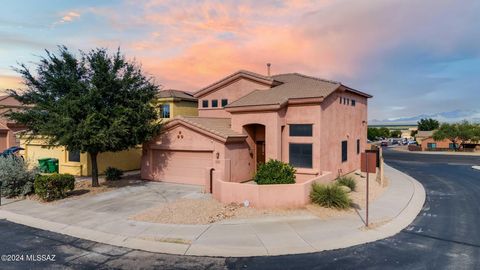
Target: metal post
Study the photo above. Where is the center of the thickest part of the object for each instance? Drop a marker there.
(366, 208)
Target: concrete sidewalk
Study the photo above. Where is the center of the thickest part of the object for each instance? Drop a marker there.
(391, 212)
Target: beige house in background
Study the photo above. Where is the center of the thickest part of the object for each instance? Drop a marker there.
(8, 128)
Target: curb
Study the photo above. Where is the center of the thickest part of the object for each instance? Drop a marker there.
(356, 237)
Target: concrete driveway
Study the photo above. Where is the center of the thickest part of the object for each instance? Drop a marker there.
(105, 211)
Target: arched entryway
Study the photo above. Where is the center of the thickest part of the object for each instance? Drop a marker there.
(256, 142)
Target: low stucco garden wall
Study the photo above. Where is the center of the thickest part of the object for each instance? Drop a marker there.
(267, 196)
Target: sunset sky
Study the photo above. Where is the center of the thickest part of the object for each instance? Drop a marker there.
(415, 57)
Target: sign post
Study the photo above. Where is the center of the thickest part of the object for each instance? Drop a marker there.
(368, 165)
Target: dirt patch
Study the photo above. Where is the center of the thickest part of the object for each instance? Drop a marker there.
(207, 210)
(84, 188)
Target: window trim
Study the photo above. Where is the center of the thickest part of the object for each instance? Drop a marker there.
(205, 103)
(290, 130)
(290, 155)
(224, 100)
(162, 110)
(344, 158)
(70, 152)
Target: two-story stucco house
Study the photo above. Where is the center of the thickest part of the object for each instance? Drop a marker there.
(246, 119)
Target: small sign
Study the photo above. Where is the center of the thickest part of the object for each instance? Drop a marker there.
(369, 166)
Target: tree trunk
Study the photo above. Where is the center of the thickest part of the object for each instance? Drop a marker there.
(93, 157)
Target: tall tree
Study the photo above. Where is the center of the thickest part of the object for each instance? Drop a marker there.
(428, 124)
(460, 133)
(97, 102)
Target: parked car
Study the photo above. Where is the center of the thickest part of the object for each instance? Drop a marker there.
(384, 143)
(412, 142)
(11, 151)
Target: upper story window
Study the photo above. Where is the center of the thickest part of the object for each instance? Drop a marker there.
(224, 102)
(214, 103)
(303, 130)
(73, 156)
(358, 146)
(204, 103)
(353, 102)
(165, 111)
(344, 150)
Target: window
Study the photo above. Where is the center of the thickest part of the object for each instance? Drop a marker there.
(341, 100)
(344, 150)
(348, 101)
(74, 156)
(353, 102)
(304, 130)
(452, 145)
(358, 147)
(214, 103)
(165, 111)
(204, 103)
(224, 102)
(431, 145)
(300, 155)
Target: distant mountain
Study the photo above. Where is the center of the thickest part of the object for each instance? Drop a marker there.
(451, 116)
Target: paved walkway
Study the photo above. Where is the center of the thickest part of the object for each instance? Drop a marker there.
(391, 212)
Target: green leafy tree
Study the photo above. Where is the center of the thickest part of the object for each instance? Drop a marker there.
(414, 133)
(97, 102)
(372, 133)
(384, 132)
(457, 133)
(447, 131)
(428, 124)
(395, 134)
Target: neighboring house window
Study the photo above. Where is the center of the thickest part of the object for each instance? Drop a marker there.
(214, 103)
(302, 130)
(224, 102)
(452, 145)
(353, 102)
(358, 147)
(344, 151)
(204, 103)
(74, 156)
(300, 155)
(165, 111)
(348, 101)
(431, 145)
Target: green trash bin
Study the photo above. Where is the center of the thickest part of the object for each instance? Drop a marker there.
(52, 164)
(43, 164)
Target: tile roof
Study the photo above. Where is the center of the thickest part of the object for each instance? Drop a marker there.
(294, 85)
(425, 134)
(171, 93)
(218, 126)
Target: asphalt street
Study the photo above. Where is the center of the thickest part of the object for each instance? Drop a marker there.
(444, 235)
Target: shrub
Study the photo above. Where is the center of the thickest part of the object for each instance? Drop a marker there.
(15, 176)
(54, 186)
(112, 174)
(330, 196)
(275, 172)
(347, 181)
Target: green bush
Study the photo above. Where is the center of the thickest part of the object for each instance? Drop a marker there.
(112, 174)
(330, 196)
(54, 186)
(15, 176)
(275, 172)
(347, 181)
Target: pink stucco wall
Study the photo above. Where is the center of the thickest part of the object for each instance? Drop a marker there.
(232, 92)
(342, 122)
(267, 196)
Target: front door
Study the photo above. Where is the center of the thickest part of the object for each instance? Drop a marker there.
(260, 152)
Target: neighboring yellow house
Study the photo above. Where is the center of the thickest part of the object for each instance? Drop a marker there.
(76, 163)
(173, 103)
(170, 103)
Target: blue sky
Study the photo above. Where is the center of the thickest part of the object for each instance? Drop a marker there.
(415, 57)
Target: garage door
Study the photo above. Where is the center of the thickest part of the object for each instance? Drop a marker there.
(186, 167)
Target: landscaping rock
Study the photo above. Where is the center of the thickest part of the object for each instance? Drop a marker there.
(346, 189)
